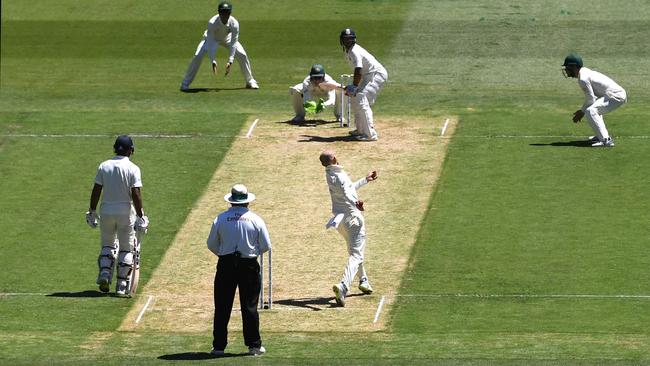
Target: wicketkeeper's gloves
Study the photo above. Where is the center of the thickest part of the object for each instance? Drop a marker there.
(320, 105)
(310, 107)
(92, 219)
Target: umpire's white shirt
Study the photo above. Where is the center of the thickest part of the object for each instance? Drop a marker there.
(239, 230)
(224, 34)
(357, 56)
(117, 176)
(596, 85)
(342, 190)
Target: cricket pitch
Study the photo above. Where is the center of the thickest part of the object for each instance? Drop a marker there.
(279, 163)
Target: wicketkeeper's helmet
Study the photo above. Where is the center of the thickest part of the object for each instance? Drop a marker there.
(572, 59)
(123, 144)
(224, 6)
(317, 70)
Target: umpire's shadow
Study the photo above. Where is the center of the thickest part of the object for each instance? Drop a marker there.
(581, 143)
(197, 356)
(313, 303)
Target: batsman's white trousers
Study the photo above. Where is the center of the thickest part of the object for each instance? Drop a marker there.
(594, 113)
(370, 86)
(297, 101)
(201, 50)
(120, 227)
(353, 229)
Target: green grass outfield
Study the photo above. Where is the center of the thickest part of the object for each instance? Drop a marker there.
(522, 220)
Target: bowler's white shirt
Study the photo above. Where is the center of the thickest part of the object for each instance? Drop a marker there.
(117, 176)
(239, 230)
(596, 85)
(219, 33)
(310, 90)
(357, 56)
(342, 190)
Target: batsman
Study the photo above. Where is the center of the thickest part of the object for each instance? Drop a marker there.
(121, 219)
(348, 220)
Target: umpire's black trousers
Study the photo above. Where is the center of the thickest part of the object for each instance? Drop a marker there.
(233, 272)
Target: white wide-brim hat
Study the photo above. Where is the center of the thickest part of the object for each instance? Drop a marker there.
(239, 194)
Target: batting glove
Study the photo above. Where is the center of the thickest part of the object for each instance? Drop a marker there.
(141, 224)
(351, 90)
(310, 107)
(92, 219)
(320, 105)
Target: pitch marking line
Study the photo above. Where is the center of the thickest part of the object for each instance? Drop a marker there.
(250, 130)
(144, 308)
(530, 296)
(444, 128)
(381, 304)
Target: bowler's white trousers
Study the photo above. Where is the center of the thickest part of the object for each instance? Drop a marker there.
(367, 92)
(353, 229)
(201, 50)
(594, 113)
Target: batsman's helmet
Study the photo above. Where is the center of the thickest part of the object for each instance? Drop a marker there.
(572, 59)
(347, 33)
(224, 6)
(123, 144)
(317, 70)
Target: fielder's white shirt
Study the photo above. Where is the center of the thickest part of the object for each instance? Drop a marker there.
(310, 90)
(357, 56)
(239, 230)
(117, 176)
(224, 34)
(342, 190)
(596, 85)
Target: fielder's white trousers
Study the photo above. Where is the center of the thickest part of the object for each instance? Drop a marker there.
(353, 229)
(201, 50)
(364, 100)
(594, 113)
(297, 101)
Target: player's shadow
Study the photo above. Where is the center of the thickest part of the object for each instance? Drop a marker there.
(312, 138)
(308, 122)
(581, 143)
(196, 356)
(86, 293)
(204, 90)
(313, 303)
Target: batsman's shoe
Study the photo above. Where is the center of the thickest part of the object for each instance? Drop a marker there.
(104, 281)
(217, 352)
(120, 289)
(339, 293)
(608, 142)
(364, 286)
(252, 85)
(355, 133)
(256, 351)
(365, 138)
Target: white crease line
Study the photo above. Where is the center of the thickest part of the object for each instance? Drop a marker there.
(532, 296)
(23, 294)
(250, 130)
(143, 310)
(444, 128)
(381, 304)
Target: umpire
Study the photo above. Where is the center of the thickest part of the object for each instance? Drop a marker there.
(237, 237)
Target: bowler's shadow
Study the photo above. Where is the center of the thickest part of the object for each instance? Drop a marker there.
(313, 303)
(204, 90)
(197, 356)
(86, 293)
(582, 143)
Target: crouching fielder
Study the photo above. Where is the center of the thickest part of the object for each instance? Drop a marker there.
(347, 207)
(602, 95)
(317, 91)
(121, 214)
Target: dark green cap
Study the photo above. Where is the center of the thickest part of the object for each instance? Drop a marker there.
(224, 6)
(317, 70)
(573, 59)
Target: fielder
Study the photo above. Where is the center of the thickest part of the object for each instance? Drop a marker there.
(223, 30)
(348, 220)
(369, 78)
(121, 214)
(602, 95)
(317, 91)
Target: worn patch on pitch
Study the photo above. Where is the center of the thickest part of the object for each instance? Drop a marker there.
(279, 163)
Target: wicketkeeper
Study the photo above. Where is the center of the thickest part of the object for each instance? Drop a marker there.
(316, 92)
(121, 214)
(348, 220)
